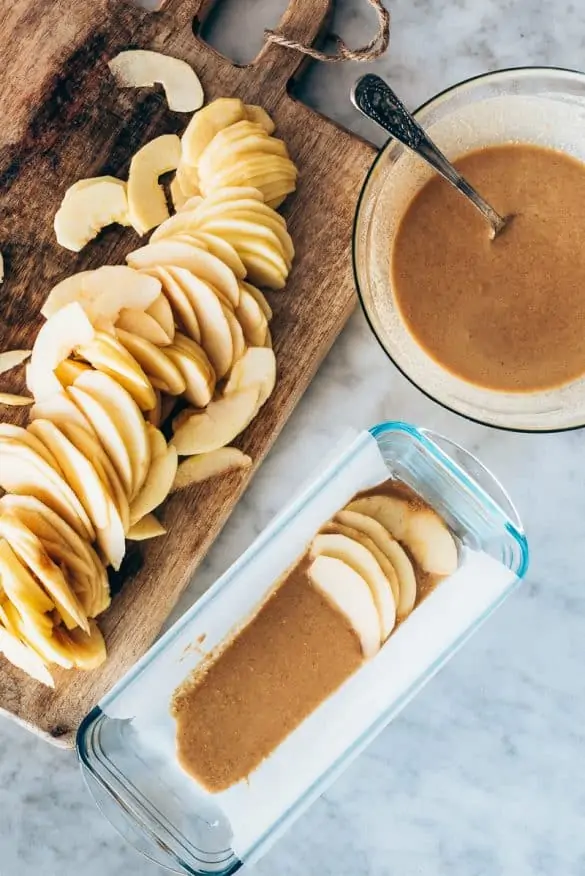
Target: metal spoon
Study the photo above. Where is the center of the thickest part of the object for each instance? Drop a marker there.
(376, 100)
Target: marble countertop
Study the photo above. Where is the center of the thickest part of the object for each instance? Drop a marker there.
(482, 774)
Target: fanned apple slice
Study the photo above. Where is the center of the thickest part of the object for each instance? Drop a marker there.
(178, 196)
(127, 417)
(183, 255)
(263, 271)
(241, 229)
(206, 123)
(87, 651)
(260, 299)
(140, 323)
(180, 304)
(393, 551)
(187, 179)
(154, 363)
(89, 488)
(420, 530)
(204, 466)
(257, 368)
(362, 561)
(24, 472)
(349, 594)
(230, 146)
(224, 251)
(30, 551)
(157, 486)
(138, 68)
(61, 410)
(255, 171)
(56, 340)
(39, 636)
(88, 208)
(218, 425)
(147, 203)
(11, 432)
(24, 658)
(216, 336)
(69, 370)
(236, 331)
(259, 115)
(19, 585)
(160, 309)
(200, 382)
(252, 318)
(153, 416)
(109, 356)
(145, 528)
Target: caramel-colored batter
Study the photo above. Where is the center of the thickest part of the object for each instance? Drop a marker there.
(293, 654)
(507, 314)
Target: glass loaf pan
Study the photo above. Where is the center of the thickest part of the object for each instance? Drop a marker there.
(126, 745)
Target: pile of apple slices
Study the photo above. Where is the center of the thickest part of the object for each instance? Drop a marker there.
(361, 562)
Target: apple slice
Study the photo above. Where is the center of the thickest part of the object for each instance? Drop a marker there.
(252, 318)
(109, 356)
(219, 205)
(86, 650)
(263, 271)
(365, 564)
(160, 309)
(137, 68)
(61, 410)
(12, 358)
(216, 336)
(154, 362)
(200, 381)
(260, 116)
(347, 592)
(24, 658)
(392, 550)
(40, 636)
(260, 299)
(147, 204)
(157, 486)
(255, 171)
(180, 305)
(129, 421)
(238, 341)
(88, 208)
(153, 416)
(178, 197)
(218, 425)
(69, 370)
(224, 251)
(334, 527)
(420, 530)
(147, 527)
(257, 368)
(204, 466)
(89, 488)
(11, 432)
(56, 340)
(207, 123)
(183, 255)
(142, 324)
(19, 585)
(233, 145)
(253, 226)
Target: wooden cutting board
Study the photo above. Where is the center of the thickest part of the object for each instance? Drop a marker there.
(63, 118)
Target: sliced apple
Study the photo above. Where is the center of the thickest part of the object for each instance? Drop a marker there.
(252, 318)
(137, 68)
(181, 306)
(19, 585)
(128, 419)
(61, 410)
(260, 116)
(224, 251)
(218, 425)
(87, 650)
(147, 527)
(154, 362)
(147, 203)
(244, 139)
(140, 323)
(206, 123)
(24, 658)
(178, 197)
(420, 530)
(183, 255)
(109, 356)
(393, 551)
(39, 634)
(86, 209)
(157, 486)
(200, 381)
(160, 309)
(263, 271)
(56, 340)
(12, 400)
(365, 564)
(257, 368)
(209, 465)
(188, 180)
(349, 594)
(11, 358)
(153, 416)
(260, 299)
(236, 331)
(11, 432)
(69, 370)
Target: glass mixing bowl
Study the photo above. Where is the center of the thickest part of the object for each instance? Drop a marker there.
(539, 105)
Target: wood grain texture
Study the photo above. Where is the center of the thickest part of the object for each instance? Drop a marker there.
(62, 118)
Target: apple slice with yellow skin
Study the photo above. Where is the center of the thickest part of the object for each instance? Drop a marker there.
(154, 363)
(180, 304)
(24, 472)
(184, 222)
(252, 318)
(239, 231)
(69, 370)
(260, 299)
(62, 411)
(128, 419)
(38, 632)
(219, 205)
(30, 551)
(178, 196)
(208, 267)
(153, 416)
(88, 208)
(11, 432)
(228, 194)
(264, 271)
(238, 341)
(255, 171)
(89, 488)
(362, 561)
(86, 650)
(157, 441)
(147, 203)
(24, 658)
(216, 336)
(259, 115)
(141, 323)
(232, 144)
(200, 380)
(19, 585)
(204, 466)
(157, 486)
(257, 368)
(187, 179)
(206, 123)
(137, 68)
(393, 551)
(224, 251)
(56, 340)
(420, 530)
(218, 425)
(106, 427)
(145, 528)
(160, 309)
(109, 356)
(347, 592)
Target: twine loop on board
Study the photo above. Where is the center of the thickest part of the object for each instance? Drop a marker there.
(376, 47)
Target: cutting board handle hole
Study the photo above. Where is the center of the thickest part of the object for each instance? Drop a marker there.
(228, 29)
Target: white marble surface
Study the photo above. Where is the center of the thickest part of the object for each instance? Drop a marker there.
(483, 774)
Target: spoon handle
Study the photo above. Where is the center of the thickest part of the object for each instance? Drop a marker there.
(376, 100)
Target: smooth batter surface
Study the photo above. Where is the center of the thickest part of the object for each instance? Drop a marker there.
(278, 669)
(506, 314)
